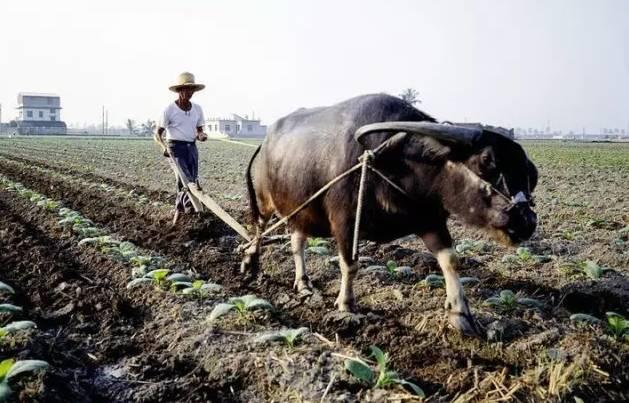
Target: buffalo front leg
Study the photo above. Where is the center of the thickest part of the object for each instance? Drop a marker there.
(345, 301)
(298, 246)
(457, 307)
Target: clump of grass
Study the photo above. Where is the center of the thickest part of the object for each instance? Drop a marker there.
(11, 369)
(507, 301)
(383, 377)
(242, 305)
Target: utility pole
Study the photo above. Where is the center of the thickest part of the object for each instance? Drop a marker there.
(0, 118)
(106, 122)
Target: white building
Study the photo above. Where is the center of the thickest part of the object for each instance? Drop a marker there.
(39, 114)
(237, 126)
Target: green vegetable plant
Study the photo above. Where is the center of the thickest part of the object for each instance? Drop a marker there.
(523, 256)
(318, 246)
(471, 247)
(10, 369)
(6, 289)
(161, 279)
(200, 289)
(438, 281)
(616, 324)
(381, 378)
(289, 337)
(16, 326)
(507, 301)
(242, 305)
(10, 308)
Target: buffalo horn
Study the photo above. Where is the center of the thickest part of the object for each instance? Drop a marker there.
(442, 132)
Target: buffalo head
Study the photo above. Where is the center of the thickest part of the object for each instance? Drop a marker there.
(485, 178)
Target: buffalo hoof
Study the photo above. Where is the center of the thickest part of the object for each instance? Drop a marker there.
(345, 305)
(465, 323)
(303, 285)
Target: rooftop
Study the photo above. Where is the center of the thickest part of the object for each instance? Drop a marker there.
(37, 94)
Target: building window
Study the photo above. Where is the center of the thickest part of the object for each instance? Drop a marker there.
(52, 111)
(29, 114)
(49, 101)
(227, 128)
(41, 114)
(215, 128)
(237, 128)
(52, 118)
(249, 128)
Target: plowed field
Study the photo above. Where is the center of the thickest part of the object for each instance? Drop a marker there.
(107, 342)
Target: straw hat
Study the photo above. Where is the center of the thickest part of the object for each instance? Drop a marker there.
(186, 80)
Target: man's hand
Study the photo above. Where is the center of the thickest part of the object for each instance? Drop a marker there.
(201, 136)
(158, 139)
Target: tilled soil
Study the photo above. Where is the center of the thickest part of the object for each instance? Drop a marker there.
(140, 345)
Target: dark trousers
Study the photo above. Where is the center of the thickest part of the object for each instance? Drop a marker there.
(187, 157)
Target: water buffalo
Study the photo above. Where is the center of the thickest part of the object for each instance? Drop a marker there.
(482, 177)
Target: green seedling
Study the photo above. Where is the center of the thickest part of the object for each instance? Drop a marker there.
(16, 326)
(315, 242)
(287, 336)
(242, 305)
(524, 256)
(201, 289)
(318, 246)
(585, 318)
(434, 281)
(507, 301)
(6, 289)
(231, 197)
(592, 269)
(385, 377)
(10, 369)
(617, 325)
(471, 247)
(9, 308)
(48, 204)
(438, 281)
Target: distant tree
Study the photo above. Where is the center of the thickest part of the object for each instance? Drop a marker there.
(148, 127)
(130, 126)
(410, 95)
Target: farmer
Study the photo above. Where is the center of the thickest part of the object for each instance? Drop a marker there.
(183, 122)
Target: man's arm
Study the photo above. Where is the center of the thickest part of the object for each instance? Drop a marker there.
(157, 137)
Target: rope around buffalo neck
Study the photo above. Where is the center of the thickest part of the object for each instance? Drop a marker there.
(367, 157)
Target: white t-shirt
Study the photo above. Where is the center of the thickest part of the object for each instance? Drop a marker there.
(182, 125)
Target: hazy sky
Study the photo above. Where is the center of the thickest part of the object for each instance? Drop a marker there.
(511, 63)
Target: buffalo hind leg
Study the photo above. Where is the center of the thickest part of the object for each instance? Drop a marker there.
(298, 246)
(251, 261)
(457, 307)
